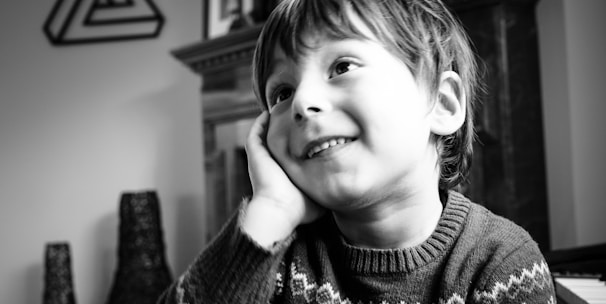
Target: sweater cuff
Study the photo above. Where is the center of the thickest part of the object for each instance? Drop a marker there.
(275, 247)
(233, 268)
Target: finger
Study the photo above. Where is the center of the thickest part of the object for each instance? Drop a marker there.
(258, 131)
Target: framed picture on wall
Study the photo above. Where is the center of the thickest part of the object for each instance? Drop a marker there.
(224, 16)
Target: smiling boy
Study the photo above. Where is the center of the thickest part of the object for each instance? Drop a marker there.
(367, 130)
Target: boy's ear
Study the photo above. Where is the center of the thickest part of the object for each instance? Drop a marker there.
(448, 112)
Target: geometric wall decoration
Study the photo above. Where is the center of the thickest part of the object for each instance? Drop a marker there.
(90, 21)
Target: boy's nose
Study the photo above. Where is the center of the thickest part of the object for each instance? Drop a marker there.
(311, 99)
(302, 114)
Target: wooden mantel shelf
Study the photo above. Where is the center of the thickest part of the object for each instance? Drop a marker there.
(225, 66)
(220, 53)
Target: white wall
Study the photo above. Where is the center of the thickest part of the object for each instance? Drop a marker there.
(572, 36)
(78, 126)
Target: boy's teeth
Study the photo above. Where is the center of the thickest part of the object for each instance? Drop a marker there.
(325, 145)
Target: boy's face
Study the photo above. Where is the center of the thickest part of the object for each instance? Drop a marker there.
(349, 123)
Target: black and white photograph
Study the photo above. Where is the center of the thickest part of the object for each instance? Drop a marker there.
(302, 151)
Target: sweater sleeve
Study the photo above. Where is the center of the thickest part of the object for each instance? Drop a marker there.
(232, 269)
(522, 276)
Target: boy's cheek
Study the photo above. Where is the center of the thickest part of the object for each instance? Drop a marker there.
(276, 142)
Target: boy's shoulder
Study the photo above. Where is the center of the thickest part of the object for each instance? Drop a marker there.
(502, 256)
(492, 233)
(491, 225)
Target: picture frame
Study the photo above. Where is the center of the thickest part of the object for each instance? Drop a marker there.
(224, 16)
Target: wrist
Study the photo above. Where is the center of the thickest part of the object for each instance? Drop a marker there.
(266, 223)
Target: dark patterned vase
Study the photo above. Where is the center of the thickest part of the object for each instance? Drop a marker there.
(58, 287)
(142, 272)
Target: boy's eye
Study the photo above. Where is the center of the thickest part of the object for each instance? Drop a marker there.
(279, 95)
(342, 67)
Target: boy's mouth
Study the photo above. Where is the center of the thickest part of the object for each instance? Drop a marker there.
(318, 146)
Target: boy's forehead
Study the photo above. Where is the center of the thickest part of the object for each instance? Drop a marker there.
(314, 33)
(298, 49)
(317, 31)
(314, 37)
(285, 46)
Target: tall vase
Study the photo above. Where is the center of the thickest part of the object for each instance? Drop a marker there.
(142, 272)
(58, 286)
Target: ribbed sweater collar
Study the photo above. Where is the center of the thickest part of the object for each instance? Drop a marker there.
(364, 260)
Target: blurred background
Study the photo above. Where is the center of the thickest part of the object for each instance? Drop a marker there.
(81, 124)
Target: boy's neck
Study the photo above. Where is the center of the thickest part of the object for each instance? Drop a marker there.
(392, 224)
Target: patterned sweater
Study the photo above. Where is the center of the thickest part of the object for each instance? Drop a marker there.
(473, 256)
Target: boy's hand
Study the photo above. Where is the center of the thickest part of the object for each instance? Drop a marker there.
(277, 206)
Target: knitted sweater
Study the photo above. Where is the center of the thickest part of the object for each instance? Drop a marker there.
(473, 256)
